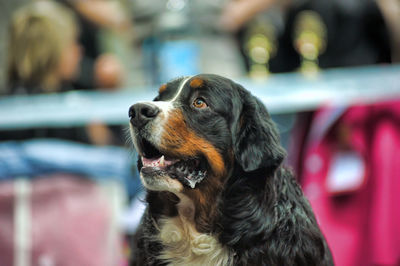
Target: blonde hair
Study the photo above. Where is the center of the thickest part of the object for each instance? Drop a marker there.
(38, 34)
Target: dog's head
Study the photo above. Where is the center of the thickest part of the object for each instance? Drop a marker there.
(197, 130)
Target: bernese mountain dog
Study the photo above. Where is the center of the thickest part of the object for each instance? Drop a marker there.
(217, 193)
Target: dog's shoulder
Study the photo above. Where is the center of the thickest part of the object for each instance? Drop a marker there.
(268, 221)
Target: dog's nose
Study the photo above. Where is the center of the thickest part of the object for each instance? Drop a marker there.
(141, 113)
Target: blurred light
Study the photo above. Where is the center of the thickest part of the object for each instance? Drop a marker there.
(260, 47)
(309, 40)
(314, 163)
(176, 5)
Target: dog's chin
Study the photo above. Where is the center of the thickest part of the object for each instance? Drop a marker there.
(158, 180)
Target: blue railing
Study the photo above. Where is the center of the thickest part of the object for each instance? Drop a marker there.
(282, 93)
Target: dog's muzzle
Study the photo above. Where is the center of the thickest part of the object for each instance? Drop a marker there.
(142, 113)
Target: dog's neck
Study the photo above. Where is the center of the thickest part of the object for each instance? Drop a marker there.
(185, 208)
(184, 244)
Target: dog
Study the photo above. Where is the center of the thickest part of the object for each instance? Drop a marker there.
(217, 193)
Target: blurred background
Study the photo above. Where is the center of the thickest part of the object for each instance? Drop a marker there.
(69, 70)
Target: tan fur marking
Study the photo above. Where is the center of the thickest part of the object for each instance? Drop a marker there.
(162, 88)
(197, 82)
(178, 139)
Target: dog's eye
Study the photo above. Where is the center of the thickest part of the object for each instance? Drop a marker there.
(200, 103)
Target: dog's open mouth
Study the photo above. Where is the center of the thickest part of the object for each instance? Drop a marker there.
(189, 171)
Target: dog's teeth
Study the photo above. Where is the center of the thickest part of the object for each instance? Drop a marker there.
(162, 161)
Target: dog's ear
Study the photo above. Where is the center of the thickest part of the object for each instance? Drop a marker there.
(256, 142)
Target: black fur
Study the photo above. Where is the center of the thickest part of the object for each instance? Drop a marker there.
(262, 215)
(269, 222)
(256, 143)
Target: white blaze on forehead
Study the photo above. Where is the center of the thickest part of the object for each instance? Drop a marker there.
(165, 108)
(180, 88)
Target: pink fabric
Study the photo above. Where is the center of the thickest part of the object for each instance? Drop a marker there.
(70, 223)
(362, 227)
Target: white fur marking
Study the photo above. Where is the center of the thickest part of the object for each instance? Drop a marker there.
(185, 246)
(180, 88)
(165, 107)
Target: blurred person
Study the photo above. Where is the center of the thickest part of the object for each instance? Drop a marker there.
(109, 72)
(391, 12)
(357, 32)
(237, 13)
(45, 56)
(6, 10)
(43, 53)
(100, 69)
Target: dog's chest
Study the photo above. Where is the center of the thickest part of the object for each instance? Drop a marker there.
(183, 245)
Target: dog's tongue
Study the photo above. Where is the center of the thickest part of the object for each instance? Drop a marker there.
(157, 162)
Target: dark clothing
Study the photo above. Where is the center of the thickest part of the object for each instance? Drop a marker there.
(77, 134)
(356, 34)
(67, 133)
(88, 39)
